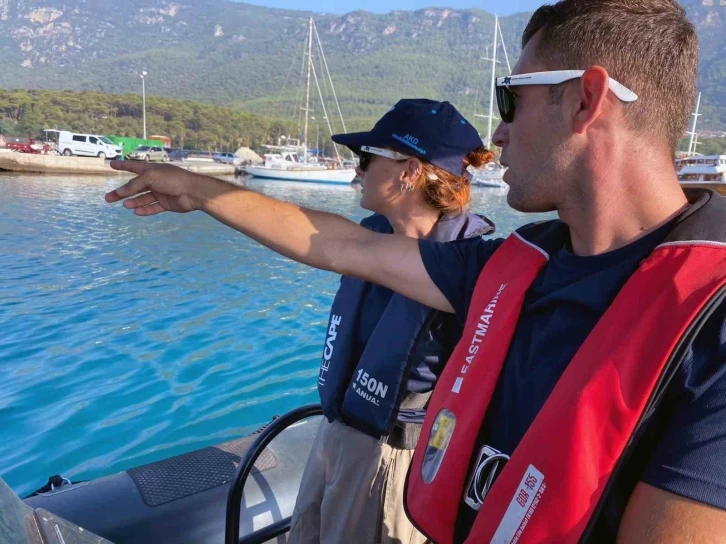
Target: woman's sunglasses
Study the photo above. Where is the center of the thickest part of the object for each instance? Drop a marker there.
(506, 99)
(367, 153)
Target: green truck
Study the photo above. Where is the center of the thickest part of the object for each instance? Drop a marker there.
(129, 145)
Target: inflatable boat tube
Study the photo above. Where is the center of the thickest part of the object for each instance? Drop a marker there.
(183, 499)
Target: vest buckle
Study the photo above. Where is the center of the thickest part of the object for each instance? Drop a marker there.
(489, 464)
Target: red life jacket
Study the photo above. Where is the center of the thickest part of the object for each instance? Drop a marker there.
(550, 489)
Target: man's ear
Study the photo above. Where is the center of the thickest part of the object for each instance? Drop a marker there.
(593, 88)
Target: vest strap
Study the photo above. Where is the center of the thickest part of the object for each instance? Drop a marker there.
(403, 436)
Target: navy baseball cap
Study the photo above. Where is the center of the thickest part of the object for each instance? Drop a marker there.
(434, 132)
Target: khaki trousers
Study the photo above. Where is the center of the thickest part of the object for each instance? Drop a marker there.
(352, 491)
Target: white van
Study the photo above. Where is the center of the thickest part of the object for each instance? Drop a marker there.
(86, 145)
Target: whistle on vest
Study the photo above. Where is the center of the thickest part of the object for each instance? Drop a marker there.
(489, 465)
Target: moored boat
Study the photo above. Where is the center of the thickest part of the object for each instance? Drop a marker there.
(290, 166)
(296, 163)
(697, 171)
(318, 175)
(490, 176)
(703, 172)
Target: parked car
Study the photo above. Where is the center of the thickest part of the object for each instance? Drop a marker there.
(86, 145)
(146, 153)
(197, 155)
(227, 158)
(176, 154)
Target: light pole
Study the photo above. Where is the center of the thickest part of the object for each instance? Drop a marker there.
(143, 98)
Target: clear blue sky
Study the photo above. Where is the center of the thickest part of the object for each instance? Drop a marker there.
(502, 7)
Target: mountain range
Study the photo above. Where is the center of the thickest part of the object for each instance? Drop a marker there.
(250, 57)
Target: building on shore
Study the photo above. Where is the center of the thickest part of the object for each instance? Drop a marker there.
(165, 139)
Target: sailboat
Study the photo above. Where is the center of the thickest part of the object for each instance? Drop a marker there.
(293, 160)
(491, 174)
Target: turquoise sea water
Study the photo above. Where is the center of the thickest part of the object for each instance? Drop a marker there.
(124, 340)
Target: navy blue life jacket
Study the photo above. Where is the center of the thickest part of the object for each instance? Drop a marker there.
(366, 393)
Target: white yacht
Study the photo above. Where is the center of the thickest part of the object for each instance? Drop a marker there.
(703, 171)
(291, 166)
(490, 176)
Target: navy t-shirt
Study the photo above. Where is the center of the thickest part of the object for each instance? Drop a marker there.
(684, 448)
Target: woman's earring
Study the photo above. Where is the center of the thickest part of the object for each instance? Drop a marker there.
(406, 188)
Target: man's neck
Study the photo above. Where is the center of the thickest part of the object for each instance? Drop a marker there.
(623, 205)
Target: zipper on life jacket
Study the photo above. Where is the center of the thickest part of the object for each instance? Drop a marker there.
(670, 370)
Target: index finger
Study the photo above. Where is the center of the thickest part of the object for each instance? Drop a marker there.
(135, 167)
(133, 187)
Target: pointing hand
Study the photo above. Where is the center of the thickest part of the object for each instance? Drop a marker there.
(156, 188)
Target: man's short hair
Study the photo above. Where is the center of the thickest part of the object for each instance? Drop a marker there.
(647, 45)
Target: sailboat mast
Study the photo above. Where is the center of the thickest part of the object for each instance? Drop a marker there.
(494, 80)
(307, 92)
(692, 144)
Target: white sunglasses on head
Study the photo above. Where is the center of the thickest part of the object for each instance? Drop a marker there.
(383, 152)
(505, 97)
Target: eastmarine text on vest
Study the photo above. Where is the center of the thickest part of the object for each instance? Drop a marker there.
(482, 327)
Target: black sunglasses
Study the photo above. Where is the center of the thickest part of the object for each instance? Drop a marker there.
(365, 160)
(505, 102)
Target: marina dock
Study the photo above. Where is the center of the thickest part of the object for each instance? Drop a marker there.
(58, 164)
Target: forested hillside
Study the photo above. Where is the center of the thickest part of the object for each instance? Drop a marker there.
(249, 57)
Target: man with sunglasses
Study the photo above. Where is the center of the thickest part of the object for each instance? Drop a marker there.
(587, 397)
